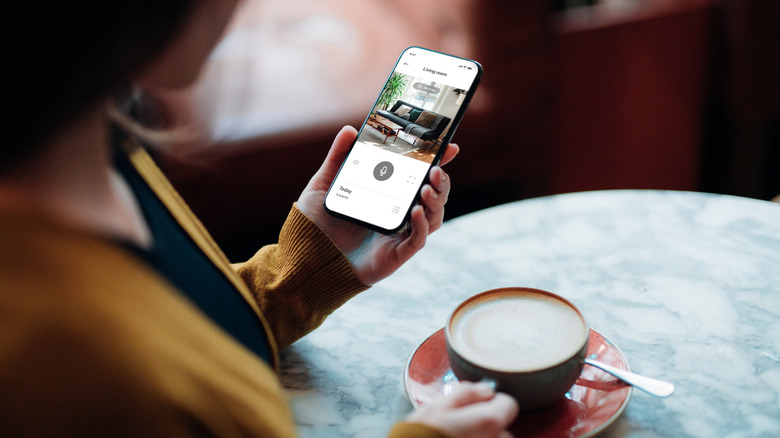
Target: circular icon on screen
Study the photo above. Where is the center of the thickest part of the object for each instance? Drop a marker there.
(383, 170)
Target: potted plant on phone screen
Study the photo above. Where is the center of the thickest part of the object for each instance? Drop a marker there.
(393, 90)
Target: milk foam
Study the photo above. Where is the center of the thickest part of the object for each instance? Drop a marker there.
(517, 331)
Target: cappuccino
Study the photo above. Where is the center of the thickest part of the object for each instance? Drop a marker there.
(517, 331)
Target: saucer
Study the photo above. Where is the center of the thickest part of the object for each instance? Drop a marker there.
(592, 404)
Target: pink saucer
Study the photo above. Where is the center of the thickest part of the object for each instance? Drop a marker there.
(592, 404)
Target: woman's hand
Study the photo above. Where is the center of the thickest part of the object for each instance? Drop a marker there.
(376, 255)
(473, 410)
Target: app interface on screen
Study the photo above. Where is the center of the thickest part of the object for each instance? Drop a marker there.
(403, 133)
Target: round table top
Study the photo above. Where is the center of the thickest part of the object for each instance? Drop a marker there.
(686, 284)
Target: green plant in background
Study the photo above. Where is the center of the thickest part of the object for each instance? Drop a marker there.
(393, 89)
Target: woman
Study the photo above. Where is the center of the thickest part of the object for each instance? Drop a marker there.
(119, 316)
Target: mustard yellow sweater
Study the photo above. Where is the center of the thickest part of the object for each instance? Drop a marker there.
(95, 343)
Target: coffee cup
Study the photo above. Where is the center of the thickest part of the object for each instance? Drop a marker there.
(530, 342)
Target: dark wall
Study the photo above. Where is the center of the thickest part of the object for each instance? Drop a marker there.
(743, 111)
(680, 95)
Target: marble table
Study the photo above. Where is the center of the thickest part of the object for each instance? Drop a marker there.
(687, 285)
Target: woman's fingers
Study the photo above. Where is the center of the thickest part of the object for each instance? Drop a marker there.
(434, 196)
(450, 153)
(419, 229)
(473, 410)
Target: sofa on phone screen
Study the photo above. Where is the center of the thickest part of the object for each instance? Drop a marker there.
(421, 123)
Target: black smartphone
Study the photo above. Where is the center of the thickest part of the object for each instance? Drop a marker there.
(404, 135)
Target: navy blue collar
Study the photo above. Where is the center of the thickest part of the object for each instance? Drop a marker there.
(179, 259)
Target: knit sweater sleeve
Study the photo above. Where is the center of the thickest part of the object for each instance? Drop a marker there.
(415, 430)
(301, 280)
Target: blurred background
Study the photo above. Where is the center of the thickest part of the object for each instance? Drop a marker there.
(577, 95)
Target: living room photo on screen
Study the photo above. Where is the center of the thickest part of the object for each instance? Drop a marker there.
(411, 116)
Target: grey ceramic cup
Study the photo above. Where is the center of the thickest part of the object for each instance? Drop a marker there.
(532, 388)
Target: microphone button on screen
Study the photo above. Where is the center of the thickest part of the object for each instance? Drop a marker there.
(383, 171)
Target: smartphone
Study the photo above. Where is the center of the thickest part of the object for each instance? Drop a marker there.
(404, 135)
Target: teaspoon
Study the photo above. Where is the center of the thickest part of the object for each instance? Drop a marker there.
(658, 388)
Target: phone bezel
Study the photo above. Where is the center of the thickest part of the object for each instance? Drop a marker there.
(446, 139)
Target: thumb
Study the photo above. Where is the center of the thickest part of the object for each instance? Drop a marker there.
(337, 153)
(467, 393)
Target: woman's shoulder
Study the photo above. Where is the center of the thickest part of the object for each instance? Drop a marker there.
(91, 338)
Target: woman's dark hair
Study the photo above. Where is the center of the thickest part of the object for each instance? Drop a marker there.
(61, 57)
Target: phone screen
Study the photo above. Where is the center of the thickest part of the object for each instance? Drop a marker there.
(404, 135)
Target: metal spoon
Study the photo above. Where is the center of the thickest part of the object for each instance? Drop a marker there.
(658, 388)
